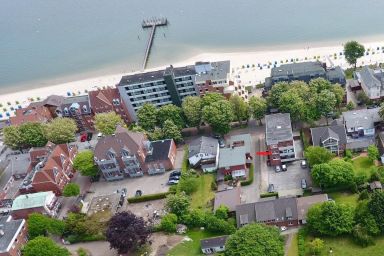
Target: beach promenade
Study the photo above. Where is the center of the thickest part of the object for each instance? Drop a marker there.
(247, 68)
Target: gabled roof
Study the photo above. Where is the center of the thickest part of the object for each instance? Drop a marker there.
(229, 198)
(205, 145)
(39, 114)
(103, 98)
(278, 128)
(11, 229)
(33, 200)
(365, 118)
(371, 78)
(298, 69)
(305, 202)
(160, 151)
(320, 134)
(213, 242)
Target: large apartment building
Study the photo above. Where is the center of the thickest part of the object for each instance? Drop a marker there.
(279, 138)
(160, 87)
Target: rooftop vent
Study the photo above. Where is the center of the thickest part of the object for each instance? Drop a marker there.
(278, 127)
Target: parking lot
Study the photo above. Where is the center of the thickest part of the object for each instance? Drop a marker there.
(288, 183)
(147, 184)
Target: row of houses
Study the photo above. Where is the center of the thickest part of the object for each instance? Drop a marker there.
(161, 87)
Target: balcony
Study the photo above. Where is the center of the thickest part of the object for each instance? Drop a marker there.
(156, 169)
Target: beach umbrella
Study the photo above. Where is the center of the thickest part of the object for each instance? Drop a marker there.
(1, 115)
(12, 108)
(68, 93)
(7, 114)
(19, 106)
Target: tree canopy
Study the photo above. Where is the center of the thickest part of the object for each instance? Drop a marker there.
(84, 162)
(330, 219)
(106, 123)
(177, 203)
(219, 115)
(373, 153)
(43, 246)
(147, 117)
(210, 98)
(317, 155)
(12, 137)
(172, 113)
(255, 239)
(353, 51)
(192, 108)
(126, 232)
(376, 208)
(71, 189)
(61, 130)
(171, 131)
(240, 107)
(257, 107)
(335, 173)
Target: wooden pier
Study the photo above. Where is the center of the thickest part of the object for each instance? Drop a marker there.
(152, 23)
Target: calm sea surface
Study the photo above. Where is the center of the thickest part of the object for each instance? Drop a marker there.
(42, 40)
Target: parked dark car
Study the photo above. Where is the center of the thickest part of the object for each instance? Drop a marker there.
(175, 173)
(138, 193)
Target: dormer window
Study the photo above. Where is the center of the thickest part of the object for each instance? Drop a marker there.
(85, 108)
(62, 158)
(55, 171)
(124, 152)
(111, 155)
(116, 102)
(66, 112)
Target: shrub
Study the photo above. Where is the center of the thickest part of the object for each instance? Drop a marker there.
(148, 197)
(84, 238)
(188, 183)
(304, 140)
(168, 223)
(216, 225)
(195, 218)
(301, 241)
(250, 178)
(213, 185)
(348, 154)
(363, 195)
(222, 212)
(361, 237)
(269, 195)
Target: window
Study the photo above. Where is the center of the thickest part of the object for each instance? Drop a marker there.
(66, 111)
(55, 171)
(85, 108)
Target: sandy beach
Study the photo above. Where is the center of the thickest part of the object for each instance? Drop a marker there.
(248, 68)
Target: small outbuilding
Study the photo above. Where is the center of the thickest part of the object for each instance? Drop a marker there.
(375, 185)
(213, 245)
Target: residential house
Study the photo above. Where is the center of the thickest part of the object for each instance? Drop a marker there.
(306, 202)
(287, 212)
(279, 138)
(108, 100)
(380, 145)
(42, 202)
(32, 113)
(50, 169)
(333, 138)
(304, 71)
(20, 165)
(235, 160)
(78, 108)
(213, 244)
(360, 127)
(371, 81)
(131, 154)
(204, 153)
(230, 198)
(13, 236)
(159, 87)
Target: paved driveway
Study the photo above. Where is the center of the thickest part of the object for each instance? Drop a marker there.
(147, 184)
(289, 183)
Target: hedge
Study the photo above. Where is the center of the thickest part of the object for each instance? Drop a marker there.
(269, 195)
(301, 241)
(149, 197)
(250, 179)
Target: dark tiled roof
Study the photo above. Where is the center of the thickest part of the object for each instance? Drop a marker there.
(160, 151)
(213, 242)
(320, 134)
(370, 77)
(203, 145)
(10, 228)
(142, 77)
(229, 198)
(298, 69)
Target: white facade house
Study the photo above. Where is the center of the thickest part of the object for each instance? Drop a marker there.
(371, 81)
(213, 245)
(204, 153)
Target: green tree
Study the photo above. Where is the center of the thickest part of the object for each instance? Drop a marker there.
(240, 107)
(275, 94)
(43, 246)
(32, 134)
(192, 109)
(318, 85)
(84, 162)
(316, 246)
(363, 98)
(365, 218)
(351, 106)
(326, 103)
(147, 117)
(257, 107)
(330, 219)
(170, 112)
(255, 239)
(336, 172)
(373, 153)
(339, 93)
(219, 115)
(222, 212)
(12, 137)
(218, 226)
(210, 98)
(317, 155)
(61, 130)
(168, 223)
(177, 204)
(157, 134)
(71, 189)
(171, 131)
(360, 236)
(352, 51)
(41, 225)
(188, 183)
(376, 208)
(106, 123)
(291, 102)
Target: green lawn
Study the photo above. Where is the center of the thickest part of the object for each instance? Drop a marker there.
(344, 246)
(204, 194)
(190, 248)
(362, 164)
(344, 198)
(293, 248)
